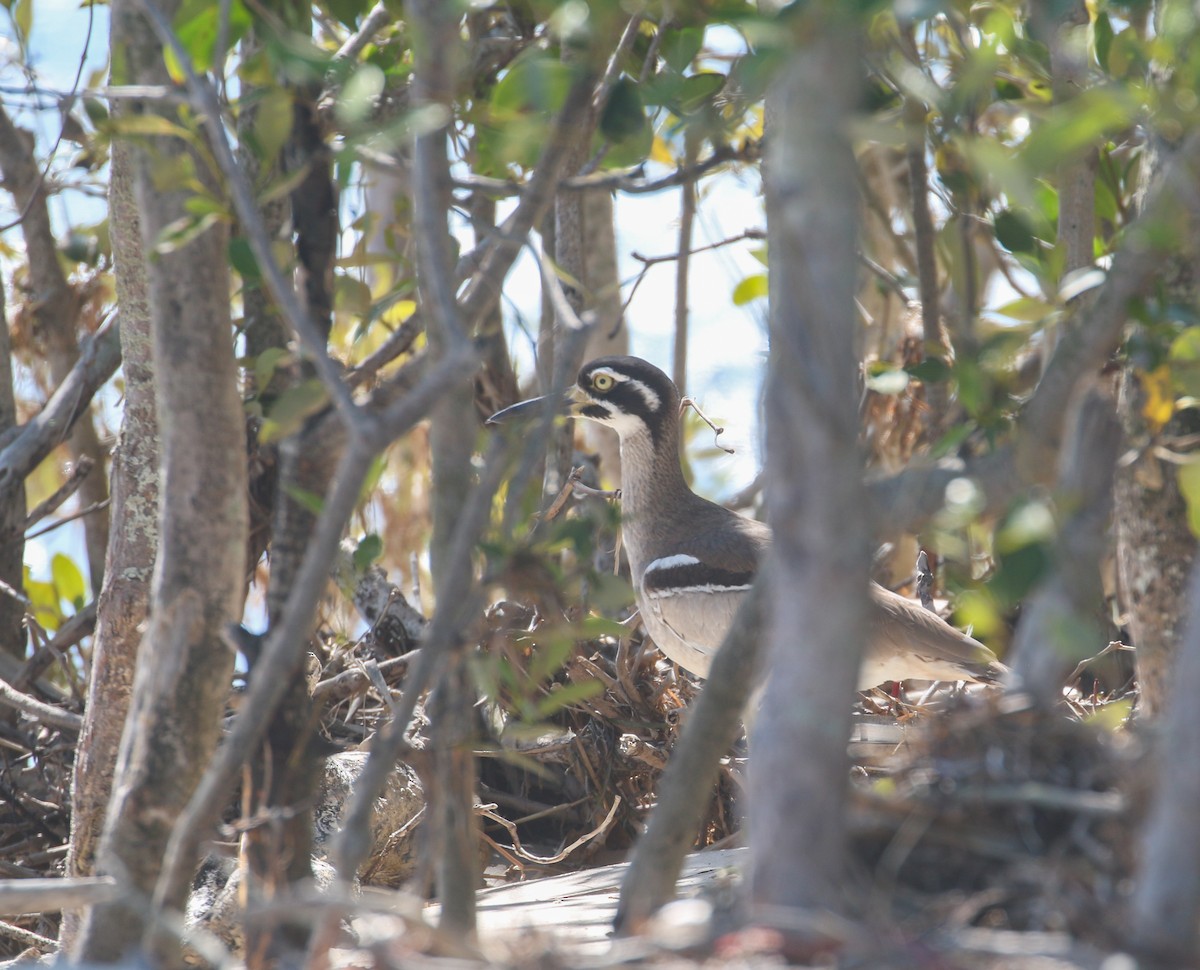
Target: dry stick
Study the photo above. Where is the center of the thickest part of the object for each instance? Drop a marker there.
(282, 649)
(692, 771)
(618, 181)
(204, 99)
(80, 625)
(373, 22)
(19, 896)
(923, 231)
(708, 247)
(67, 519)
(28, 937)
(907, 499)
(687, 218)
(527, 856)
(68, 488)
(45, 713)
(25, 447)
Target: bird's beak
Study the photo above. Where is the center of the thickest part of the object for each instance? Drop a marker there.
(536, 405)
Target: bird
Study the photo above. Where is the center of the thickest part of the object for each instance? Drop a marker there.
(692, 561)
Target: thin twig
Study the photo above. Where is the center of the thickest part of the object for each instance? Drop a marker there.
(559, 856)
(688, 402)
(68, 488)
(669, 257)
(28, 937)
(45, 713)
(81, 513)
(373, 22)
(21, 896)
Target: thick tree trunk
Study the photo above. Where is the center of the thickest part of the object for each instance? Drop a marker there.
(452, 437)
(1166, 900)
(817, 572)
(125, 597)
(184, 667)
(1155, 546)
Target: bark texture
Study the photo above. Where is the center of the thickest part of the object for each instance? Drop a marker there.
(816, 618)
(1166, 900)
(182, 679)
(125, 596)
(1155, 546)
(452, 442)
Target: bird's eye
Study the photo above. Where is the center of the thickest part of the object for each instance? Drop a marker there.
(603, 382)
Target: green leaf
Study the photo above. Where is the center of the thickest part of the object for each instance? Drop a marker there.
(182, 231)
(1185, 362)
(931, 370)
(266, 363)
(22, 15)
(564, 695)
(198, 27)
(624, 115)
(369, 548)
(681, 47)
(1189, 487)
(311, 501)
(292, 408)
(750, 289)
(699, 88)
(44, 599)
(1013, 232)
(1102, 38)
(359, 94)
(351, 295)
(1025, 308)
(68, 580)
(1070, 129)
(537, 83)
(272, 123)
(241, 258)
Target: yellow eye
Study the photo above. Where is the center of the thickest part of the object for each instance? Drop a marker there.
(603, 382)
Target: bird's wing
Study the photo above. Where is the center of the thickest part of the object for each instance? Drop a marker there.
(909, 641)
(689, 596)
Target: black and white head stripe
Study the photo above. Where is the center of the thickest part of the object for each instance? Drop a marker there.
(680, 573)
(626, 391)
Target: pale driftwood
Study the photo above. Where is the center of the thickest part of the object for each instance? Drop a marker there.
(19, 896)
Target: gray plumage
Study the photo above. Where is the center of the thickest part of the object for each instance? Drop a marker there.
(692, 561)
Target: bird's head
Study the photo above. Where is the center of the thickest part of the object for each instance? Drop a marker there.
(628, 394)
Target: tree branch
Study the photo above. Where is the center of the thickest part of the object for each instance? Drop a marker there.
(907, 500)
(34, 440)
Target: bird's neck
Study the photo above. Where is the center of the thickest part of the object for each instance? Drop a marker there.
(650, 475)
